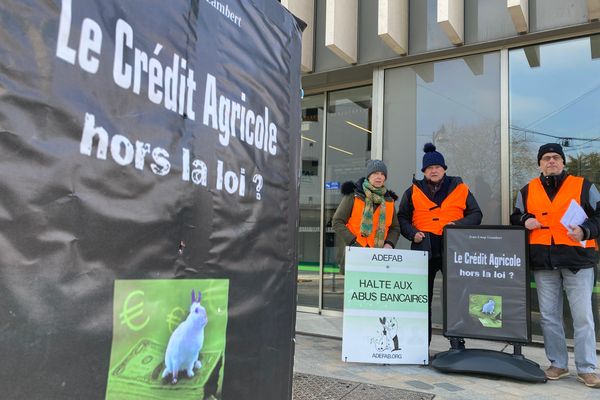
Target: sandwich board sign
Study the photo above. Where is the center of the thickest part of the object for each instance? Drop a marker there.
(385, 306)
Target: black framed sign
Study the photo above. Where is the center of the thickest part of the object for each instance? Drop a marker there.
(486, 279)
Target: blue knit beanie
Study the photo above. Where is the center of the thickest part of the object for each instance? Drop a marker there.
(432, 157)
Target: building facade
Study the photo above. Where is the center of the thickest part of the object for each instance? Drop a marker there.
(487, 81)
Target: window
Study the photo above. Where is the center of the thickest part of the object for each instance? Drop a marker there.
(554, 93)
(454, 104)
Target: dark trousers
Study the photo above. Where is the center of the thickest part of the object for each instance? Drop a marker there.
(435, 265)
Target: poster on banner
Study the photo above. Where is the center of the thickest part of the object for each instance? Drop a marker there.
(486, 283)
(168, 330)
(141, 141)
(385, 306)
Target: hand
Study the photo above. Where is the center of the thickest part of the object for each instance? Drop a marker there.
(576, 233)
(419, 236)
(387, 246)
(532, 224)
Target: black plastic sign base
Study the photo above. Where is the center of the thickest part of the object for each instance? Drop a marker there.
(489, 362)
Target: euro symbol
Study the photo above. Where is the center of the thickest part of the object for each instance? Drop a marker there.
(130, 313)
(175, 317)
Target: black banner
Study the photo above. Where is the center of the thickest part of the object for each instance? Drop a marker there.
(486, 280)
(147, 140)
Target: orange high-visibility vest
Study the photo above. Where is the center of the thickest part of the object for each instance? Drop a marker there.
(429, 217)
(549, 213)
(353, 223)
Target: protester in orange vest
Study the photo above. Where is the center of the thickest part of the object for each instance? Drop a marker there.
(366, 216)
(562, 258)
(430, 204)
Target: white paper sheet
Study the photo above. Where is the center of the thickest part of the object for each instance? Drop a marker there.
(575, 215)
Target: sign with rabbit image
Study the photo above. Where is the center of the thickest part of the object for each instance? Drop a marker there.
(169, 339)
(150, 150)
(486, 278)
(385, 306)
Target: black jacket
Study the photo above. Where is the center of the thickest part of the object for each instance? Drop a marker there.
(433, 243)
(562, 256)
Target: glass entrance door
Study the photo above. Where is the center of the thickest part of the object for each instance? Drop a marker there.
(348, 149)
(336, 144)
(309, 235)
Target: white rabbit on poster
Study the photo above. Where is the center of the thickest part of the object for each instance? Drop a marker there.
(488, 308)
(186, 342)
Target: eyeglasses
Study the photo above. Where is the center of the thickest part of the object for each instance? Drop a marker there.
(556, 157)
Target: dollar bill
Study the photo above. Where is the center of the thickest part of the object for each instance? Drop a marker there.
(139, 375)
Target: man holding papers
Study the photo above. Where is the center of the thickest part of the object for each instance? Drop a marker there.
(562, 214)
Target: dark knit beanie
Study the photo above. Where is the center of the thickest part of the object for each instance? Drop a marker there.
(376, 166)
(550, 148)
(432, 157)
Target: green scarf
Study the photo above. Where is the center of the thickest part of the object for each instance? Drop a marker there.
(373, 196)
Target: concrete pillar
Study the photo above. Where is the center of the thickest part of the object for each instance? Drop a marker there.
(519, 12)
(341, 29)
(451, 18)
(305, 10)
(593, 9)
(392, 24)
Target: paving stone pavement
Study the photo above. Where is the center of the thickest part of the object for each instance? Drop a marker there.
(319, 349)
(315, 387)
